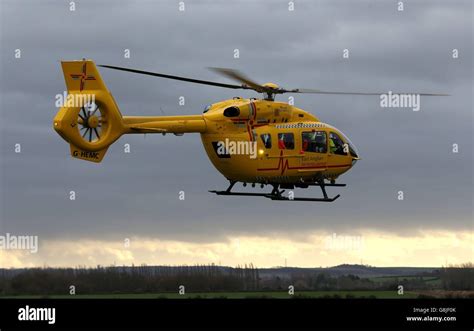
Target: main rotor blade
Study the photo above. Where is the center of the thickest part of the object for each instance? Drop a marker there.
(185, 79)
(357, 93)
(247, 83)
(240, 77)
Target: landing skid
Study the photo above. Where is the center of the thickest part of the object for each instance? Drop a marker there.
(303, 199)
(277, 194)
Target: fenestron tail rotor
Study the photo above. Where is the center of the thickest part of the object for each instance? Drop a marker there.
(90, 122)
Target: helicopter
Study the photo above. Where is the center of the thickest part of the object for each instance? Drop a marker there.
(252, 141)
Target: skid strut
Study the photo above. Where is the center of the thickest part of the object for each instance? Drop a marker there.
(277, 194)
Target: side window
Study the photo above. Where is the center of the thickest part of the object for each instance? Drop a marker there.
(314, 141)
(286, 141)
(267, 140)
(336, 145)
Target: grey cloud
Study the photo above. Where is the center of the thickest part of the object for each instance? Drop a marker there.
(137, 193)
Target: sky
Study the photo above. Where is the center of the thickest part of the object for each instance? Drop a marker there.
(127, 208)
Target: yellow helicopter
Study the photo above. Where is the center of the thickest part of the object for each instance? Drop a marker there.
(253, 141)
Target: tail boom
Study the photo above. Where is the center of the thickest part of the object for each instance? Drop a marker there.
(164, 124)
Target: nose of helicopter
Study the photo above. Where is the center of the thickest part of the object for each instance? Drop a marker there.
(354, 153)
(354, 160)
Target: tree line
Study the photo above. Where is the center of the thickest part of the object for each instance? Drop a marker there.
(213, 278)
(135, 279)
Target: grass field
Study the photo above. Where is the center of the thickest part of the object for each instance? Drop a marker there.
(433, 281)
(233, 295)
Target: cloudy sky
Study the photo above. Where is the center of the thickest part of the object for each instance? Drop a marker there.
(135, 196)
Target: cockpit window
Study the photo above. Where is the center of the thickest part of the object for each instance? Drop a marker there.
(314, 141)
(336, 144)
(352, 149)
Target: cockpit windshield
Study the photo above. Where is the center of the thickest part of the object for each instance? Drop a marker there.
(352, 149)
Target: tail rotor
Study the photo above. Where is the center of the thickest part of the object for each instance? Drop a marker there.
(90, 121)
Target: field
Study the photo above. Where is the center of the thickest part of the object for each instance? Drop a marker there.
(430, 280)
(234, 295)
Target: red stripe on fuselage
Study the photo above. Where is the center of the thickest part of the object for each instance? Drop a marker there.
(284, 165)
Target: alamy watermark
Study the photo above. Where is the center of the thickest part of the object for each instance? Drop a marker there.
(11, 242)
(74, 100)
(400, 100)
(28, 313)
(242, 147)
(343, 243)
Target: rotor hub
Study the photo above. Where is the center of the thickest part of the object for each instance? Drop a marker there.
(272, 86)
(93, 121)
